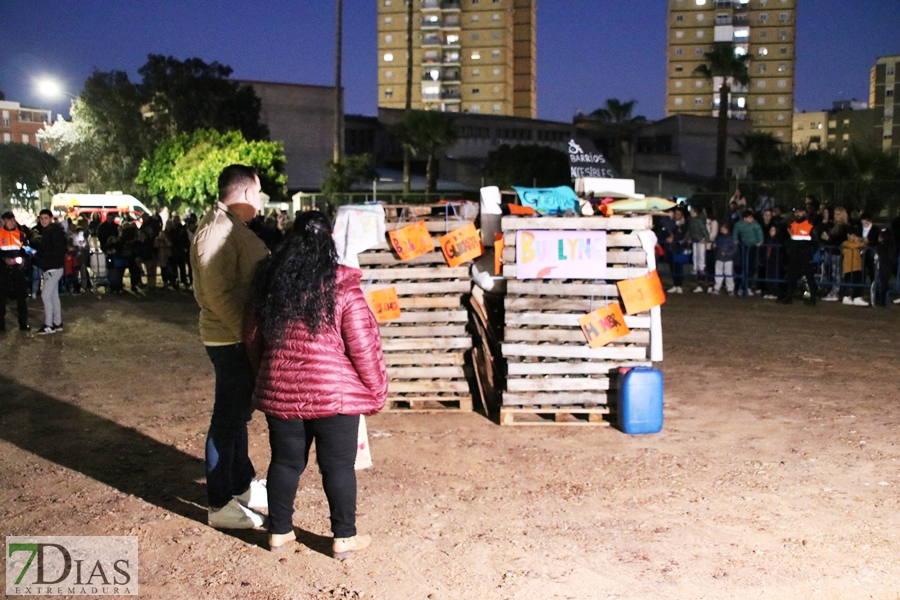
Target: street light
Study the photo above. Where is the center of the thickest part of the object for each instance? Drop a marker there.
(51, 89)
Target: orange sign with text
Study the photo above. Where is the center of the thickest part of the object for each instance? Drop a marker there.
(603, 325)
(641, 293)
(384, 303)
(498, 253)
(411, 241)
(461, 245)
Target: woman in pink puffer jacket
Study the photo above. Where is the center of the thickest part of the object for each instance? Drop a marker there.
(317, 350)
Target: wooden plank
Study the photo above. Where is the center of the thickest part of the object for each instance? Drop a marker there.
(425, 358)
(558, 384)
(426, 343)
(441, 316)
(549, 398)
(428, 404)
(426, 373)
(444, 302)
(599, 291)
(516, 223)
(519, 311)
(393, 274)
(568, 368)
(405, 331)
(399, 387)
(618, 240)
(418, 289)
(567, 335)
(554, 351)
(636, 257)
(613, 273)
(386, 257)
(554, 417)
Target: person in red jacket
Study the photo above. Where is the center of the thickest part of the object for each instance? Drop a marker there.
(317, 350)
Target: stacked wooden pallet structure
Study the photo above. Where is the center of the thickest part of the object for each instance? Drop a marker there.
(425, 349)
(553, 376)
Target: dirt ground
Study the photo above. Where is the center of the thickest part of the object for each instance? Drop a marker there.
(776, 474)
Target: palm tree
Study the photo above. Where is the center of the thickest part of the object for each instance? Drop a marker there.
(722, 61)
(338, 99)
(616, 115)
(768, 158)
(409, 82)
(427, 132)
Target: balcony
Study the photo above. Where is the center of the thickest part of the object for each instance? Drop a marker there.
(431, 23)
(450, 5)
(451, 95)
(431, 4)
(450, 23)
(451, 40)
(432, 40)
(451, 58)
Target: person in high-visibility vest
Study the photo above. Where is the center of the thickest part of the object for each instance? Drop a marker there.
(800, 250)
(15, 266)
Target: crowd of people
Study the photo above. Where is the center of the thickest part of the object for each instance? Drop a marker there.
(766, 252)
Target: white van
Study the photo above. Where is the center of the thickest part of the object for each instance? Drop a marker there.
(111, 204)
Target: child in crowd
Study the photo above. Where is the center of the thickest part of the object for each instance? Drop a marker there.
(851, 251)
(726, 247)
(699, 238)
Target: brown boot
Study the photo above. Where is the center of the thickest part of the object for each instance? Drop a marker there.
(344, 547)
(280, 541)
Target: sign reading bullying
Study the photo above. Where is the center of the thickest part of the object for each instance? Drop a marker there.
(641, 293)
(560, 255)
(411, 241)
(384, 303)
(461, 245)
(603, 325)
(498, 253)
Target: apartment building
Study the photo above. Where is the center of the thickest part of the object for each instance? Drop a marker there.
(762, 29)
(474, 56)
(20, 125)
(884, 98)
(848, 123)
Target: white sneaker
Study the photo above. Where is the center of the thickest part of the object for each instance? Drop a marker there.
(679, 290)
(830, 298)
(672, 290)
(896, 300)
(769, 297)
(714, 291)
(234, 516)
(256, 495)
(698, 289)
(847, 300)
(860, 302)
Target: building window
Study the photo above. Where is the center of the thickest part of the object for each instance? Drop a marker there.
(496, 71)
(700, 33)
(388, 74)
(475, 18)
(761, 100)
(387, 2)
(782, 34)
(476, 90)
(889, 70)
(700, 17)
(475, 36)
(496, 89)
(388, 93)
(783, 17)
(495, 53)
(698, 84)
(388, 57)
(782, 100)
(763, 18)
(388, 38)
(782, 83)
(698, 51)
(496, 108)
(496, 35)
(679, 35)
(679, 18)
(761, 83)
(677, 84)
(761, 68)
(495, 17)
(476, 55)
(700, 2)
(763, 51)
(763, 34)
(476, 72)
(741, 33)
(679, 69)
(677, 102)
(781, 117)
(782, 67)
(782, 50)
(24, 138)
(7, 138)
(679, 51)
(388, 20)
(476, 108)
(888, 93)
(698, 101)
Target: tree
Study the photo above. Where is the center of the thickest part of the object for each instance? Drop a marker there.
(184, 96)
(524, 165)
(23, 170)
(338, 99)
(351, 170)
(616, 116)
(183, 171)
(427, 132)
(769, 160)
(722, 62)
(407, 155)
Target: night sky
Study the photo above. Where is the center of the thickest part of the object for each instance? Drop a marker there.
(588, 50)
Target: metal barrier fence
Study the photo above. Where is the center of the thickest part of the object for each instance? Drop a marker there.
(763, 268)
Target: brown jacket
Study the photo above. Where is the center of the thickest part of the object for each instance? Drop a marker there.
(224, 255)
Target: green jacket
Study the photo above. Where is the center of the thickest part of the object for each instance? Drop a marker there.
(748, 234)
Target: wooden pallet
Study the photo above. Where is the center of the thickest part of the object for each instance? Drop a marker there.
(510, 415)
(548, 363)
(425, 348)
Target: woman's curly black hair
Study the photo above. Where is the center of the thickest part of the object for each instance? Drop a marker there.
(297, 282)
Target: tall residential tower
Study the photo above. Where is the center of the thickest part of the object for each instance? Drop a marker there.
(468, 56)
(884, 98)
(762, 29)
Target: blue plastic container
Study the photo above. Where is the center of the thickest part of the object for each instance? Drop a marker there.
(640, 400)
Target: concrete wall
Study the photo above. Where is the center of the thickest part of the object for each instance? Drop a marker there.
(301, 117)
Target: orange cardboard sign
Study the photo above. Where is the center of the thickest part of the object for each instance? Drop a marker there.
(384, 303)
(518, 209)
(461, 245)
(411, 241)
(498, 253)
(641, 293)
(603, 325)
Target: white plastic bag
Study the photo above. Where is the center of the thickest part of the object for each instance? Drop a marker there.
(363, 453)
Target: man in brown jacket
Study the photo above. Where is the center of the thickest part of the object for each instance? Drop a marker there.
(224, 255)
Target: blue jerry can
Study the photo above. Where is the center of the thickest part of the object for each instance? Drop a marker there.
(640, 400)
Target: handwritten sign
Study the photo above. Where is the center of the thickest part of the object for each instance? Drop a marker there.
(585, 163)
(461, 245)
(560, 255)
(498, 253)
(640, 294)
(384, 303)
(411, 241)
(603, 325)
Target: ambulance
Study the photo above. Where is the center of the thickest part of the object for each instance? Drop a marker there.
(115, 205)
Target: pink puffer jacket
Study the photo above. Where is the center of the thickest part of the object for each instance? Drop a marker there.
(340, 371)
